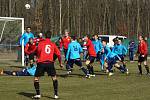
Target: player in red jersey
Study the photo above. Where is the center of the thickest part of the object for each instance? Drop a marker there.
(65, 42)
(30, 49)
(45, 63)
(39, 38)
(92, 55)
(143, 52)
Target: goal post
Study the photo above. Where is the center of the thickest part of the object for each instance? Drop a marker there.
(11, 26)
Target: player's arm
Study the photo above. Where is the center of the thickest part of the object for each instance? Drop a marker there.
(58, 54)
(26, 49)
(125, 50)
(145, 49)
(68, 52)
(21, 39)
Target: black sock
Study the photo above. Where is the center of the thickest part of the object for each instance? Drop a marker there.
(92, 70)
(147, 68)
(84, 70)
(88, 67)
(37, 87)
(140, 69)
(55, 85)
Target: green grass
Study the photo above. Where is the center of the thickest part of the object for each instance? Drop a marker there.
(75, 87)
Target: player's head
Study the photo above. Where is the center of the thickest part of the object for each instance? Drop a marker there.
(95, 36)
(104, 43)
(119, 42)
(86, 38)
(115, 40)
(66, 33)
(40, 35)
(73, 38)
(48, 34)
(28, 29)
(141, 37)
(31, 40)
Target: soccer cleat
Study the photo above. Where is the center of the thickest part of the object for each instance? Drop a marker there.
(36, 97)
(88, 76)
(127, 72)
(92, 75)
(68, 72)
(56, 96)
(110, 74)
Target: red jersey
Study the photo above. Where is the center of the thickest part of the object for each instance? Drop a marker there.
(65, 42)
(37, 40)
(46, 50)
(30, 48)
(143, 48)
(90, 48)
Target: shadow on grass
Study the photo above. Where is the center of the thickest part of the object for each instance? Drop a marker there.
(29, 95)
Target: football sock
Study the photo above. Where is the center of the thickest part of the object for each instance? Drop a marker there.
(140, 69)
(89, 70)
(92, 70)
(84, 70)
(55, 85)
(147, 68)
(37, 87)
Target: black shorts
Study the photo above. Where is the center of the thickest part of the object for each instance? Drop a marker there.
(141, 59)
(92, 59)
(78, 62)
(31, 56)
(45, 67)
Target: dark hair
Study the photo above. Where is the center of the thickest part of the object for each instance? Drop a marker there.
(48, 34)
(28, 27)
(104, 41)
(73, 37)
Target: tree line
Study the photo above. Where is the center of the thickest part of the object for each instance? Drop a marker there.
(80, 17)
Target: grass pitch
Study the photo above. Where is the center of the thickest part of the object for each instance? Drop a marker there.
(76, 87)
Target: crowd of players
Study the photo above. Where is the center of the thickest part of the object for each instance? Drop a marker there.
(42, 53)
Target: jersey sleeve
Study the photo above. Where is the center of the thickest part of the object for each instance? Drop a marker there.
(21, 39)
(125, 50)
(26, 49)
(68, 51)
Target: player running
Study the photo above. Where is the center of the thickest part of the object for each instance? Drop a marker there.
(73, 56)
(120, 50)
(65, 42)
(98, 47)
(91, 54)
(143, 52)
(111, 59)
(45, 63)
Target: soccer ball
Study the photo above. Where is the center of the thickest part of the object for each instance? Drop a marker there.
(27, 6)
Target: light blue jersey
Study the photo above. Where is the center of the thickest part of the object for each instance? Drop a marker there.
(111, 56)
(119, 49)
(74, 50)
(97, 45)
(26, 37)
(106, 51)
(31, 70)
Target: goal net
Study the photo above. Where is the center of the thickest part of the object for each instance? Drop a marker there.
(11, 30)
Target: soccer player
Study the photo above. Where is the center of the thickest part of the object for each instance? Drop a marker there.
(120, 50)
(132, 47)
(45, 63)
(65, 42)
(143, 52)
(39, 38)
(26, 36)
(98, 47)
(92, 55)
(73, 56)
(30, 49)
(111, 59)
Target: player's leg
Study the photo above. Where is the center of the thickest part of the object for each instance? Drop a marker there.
(121, 68)
(39, 72)
(90, 66)
(79, 63)
(146, 66)
(102, 61)
(69, 65)
(140, 60)
(51, 71)
(109, 68)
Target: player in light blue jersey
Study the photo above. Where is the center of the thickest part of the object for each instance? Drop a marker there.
(111, 59)
(121, 50)
(73, 56)
(26, 36)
